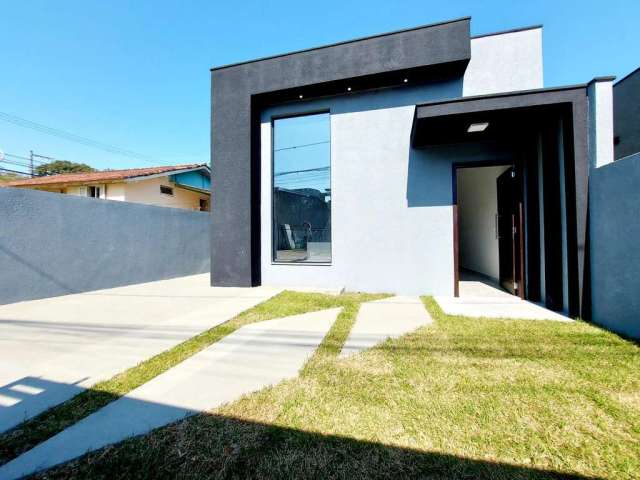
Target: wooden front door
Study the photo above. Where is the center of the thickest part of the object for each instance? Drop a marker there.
(510, 234)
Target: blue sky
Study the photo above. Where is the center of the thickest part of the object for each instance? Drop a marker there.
(135, 74)
(302, 152)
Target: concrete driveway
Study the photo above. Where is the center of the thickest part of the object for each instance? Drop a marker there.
(52, 349)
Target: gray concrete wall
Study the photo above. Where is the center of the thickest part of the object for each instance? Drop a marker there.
(626, 114)
(52, 244)
(614, 203)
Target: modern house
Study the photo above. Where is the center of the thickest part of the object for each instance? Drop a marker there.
(178, 186)
(399, 162)
(626, 115)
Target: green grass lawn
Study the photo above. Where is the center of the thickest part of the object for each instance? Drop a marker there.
(56, 419)
(464, 398)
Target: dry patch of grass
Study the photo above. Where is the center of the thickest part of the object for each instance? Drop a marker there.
(464, 398)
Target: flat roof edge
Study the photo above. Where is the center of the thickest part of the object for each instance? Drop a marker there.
(345, 42)
(606, 78)
(505, 94)
(627, 76)
(511, 30)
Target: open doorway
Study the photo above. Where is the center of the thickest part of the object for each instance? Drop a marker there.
(490, 231)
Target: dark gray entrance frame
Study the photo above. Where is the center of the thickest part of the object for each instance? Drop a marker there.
(240, 91)
(576, 98)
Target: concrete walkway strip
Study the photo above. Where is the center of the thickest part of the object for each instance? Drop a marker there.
(507, 306)
(387, 318)
(54, 348)
(253, 357)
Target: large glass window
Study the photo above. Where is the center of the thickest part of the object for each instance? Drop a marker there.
(302, 189)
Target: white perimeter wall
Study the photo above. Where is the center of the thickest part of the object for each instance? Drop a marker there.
(477, 209)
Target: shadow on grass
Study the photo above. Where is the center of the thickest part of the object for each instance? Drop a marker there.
(213, 446)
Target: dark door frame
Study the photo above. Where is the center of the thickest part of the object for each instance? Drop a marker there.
(517, 164)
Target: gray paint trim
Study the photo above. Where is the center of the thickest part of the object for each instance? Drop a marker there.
(240, 91)
(577, 183)
(504, 32)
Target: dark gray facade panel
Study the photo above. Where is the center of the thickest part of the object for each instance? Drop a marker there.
(626, 115)
(53, 244)
(502, 101)
(239, 91)
(614, 230)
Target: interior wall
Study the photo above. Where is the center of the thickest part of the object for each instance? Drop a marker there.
(477, 209)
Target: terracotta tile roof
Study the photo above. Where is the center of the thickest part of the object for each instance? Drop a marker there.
(91, 177)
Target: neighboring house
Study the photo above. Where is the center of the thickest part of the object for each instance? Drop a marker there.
(626, 115)
(178, 186)
(398, 162)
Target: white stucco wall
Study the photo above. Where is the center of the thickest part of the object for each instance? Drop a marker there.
(116, 191)
(600, 123)
(392, 219)
(504, 63)
(148, 192)
(477, 209)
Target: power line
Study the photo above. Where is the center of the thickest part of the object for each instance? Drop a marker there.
(305, 178)
(318, 169)
(23, 122)
(12, 171)
(19, 164)
(27, 158)
(300, 146)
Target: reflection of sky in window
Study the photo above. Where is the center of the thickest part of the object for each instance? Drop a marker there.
(302, 152)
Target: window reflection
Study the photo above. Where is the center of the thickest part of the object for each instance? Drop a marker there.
(302, 189)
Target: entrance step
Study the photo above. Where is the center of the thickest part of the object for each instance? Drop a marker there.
(507, 306)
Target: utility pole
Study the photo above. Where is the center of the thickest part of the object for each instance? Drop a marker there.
(31, 163)
(35, 155)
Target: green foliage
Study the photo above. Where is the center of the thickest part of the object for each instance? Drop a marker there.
(62, 166)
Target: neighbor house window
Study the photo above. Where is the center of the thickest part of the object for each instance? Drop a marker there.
(93, 192)
(166, 190)
(302, 189)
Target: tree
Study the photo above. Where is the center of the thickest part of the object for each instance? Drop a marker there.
(62, 166)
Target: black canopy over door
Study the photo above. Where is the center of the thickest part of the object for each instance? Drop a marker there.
(510, 235)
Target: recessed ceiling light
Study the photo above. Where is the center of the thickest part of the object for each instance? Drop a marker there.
(405, 80)
(300, 96)
(348, 89)
(477, 127)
